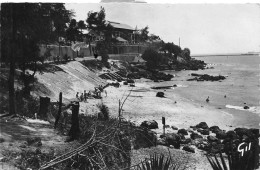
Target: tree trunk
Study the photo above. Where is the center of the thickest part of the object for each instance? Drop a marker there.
(44, 106)
(89, 45)
(12, 110)
(74, 130)
(59, 111)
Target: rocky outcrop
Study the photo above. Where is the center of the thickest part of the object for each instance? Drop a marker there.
(221, 135)
(214, 129)
(202, 125)
(206, 77)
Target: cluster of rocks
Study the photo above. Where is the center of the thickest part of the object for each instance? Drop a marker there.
(211, 139)
(206, 77)
(148, 74)
(189, 65)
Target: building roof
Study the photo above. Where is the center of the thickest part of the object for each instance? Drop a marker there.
(120, 25)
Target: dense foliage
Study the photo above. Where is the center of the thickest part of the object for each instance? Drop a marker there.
(23, 27)
(152, 57)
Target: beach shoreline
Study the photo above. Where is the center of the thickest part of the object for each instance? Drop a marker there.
(142, 104)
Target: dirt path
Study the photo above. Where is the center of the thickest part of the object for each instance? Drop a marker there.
(15, 132)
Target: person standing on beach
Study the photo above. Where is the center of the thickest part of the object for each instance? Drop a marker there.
(77, 95)
(207, 100)
(81, 97)
(85, 96)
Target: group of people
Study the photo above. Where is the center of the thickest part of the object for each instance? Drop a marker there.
(96, 93)
(83, 96)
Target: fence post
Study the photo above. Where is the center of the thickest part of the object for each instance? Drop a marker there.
(59, 111)
(44, 106)
(74, 130)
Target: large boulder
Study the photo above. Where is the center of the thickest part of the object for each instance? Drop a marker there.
(162, 141)
(160, 94)
(182, 131)
(188, 149)
(152, 124)
(214, 129)
(231, 134)
(221, 135)
(185, 141)
(244, 131)
(195, 136)
(204, 131)
(174, 127)
(173, 139)
(202, 125)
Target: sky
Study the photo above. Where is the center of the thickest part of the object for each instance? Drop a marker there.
(203, 28)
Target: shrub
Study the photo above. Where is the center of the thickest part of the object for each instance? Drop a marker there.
(104, 112)
(157, 163)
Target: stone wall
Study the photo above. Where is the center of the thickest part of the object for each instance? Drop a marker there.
(62, 51)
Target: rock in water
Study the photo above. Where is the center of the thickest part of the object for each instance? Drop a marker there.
(188, 149)
(246, 107)
(160, 94)
(152, 124)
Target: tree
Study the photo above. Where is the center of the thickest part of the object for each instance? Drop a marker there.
(153, 37)
(72, 33)
(186, 53)
(172, 49)
(96, 22)
(81, 25)
(23, 27)
(144, 33)
(152, 57)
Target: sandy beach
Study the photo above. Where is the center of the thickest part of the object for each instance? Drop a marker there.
(142, 104)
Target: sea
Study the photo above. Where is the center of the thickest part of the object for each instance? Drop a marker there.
(240, 88)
